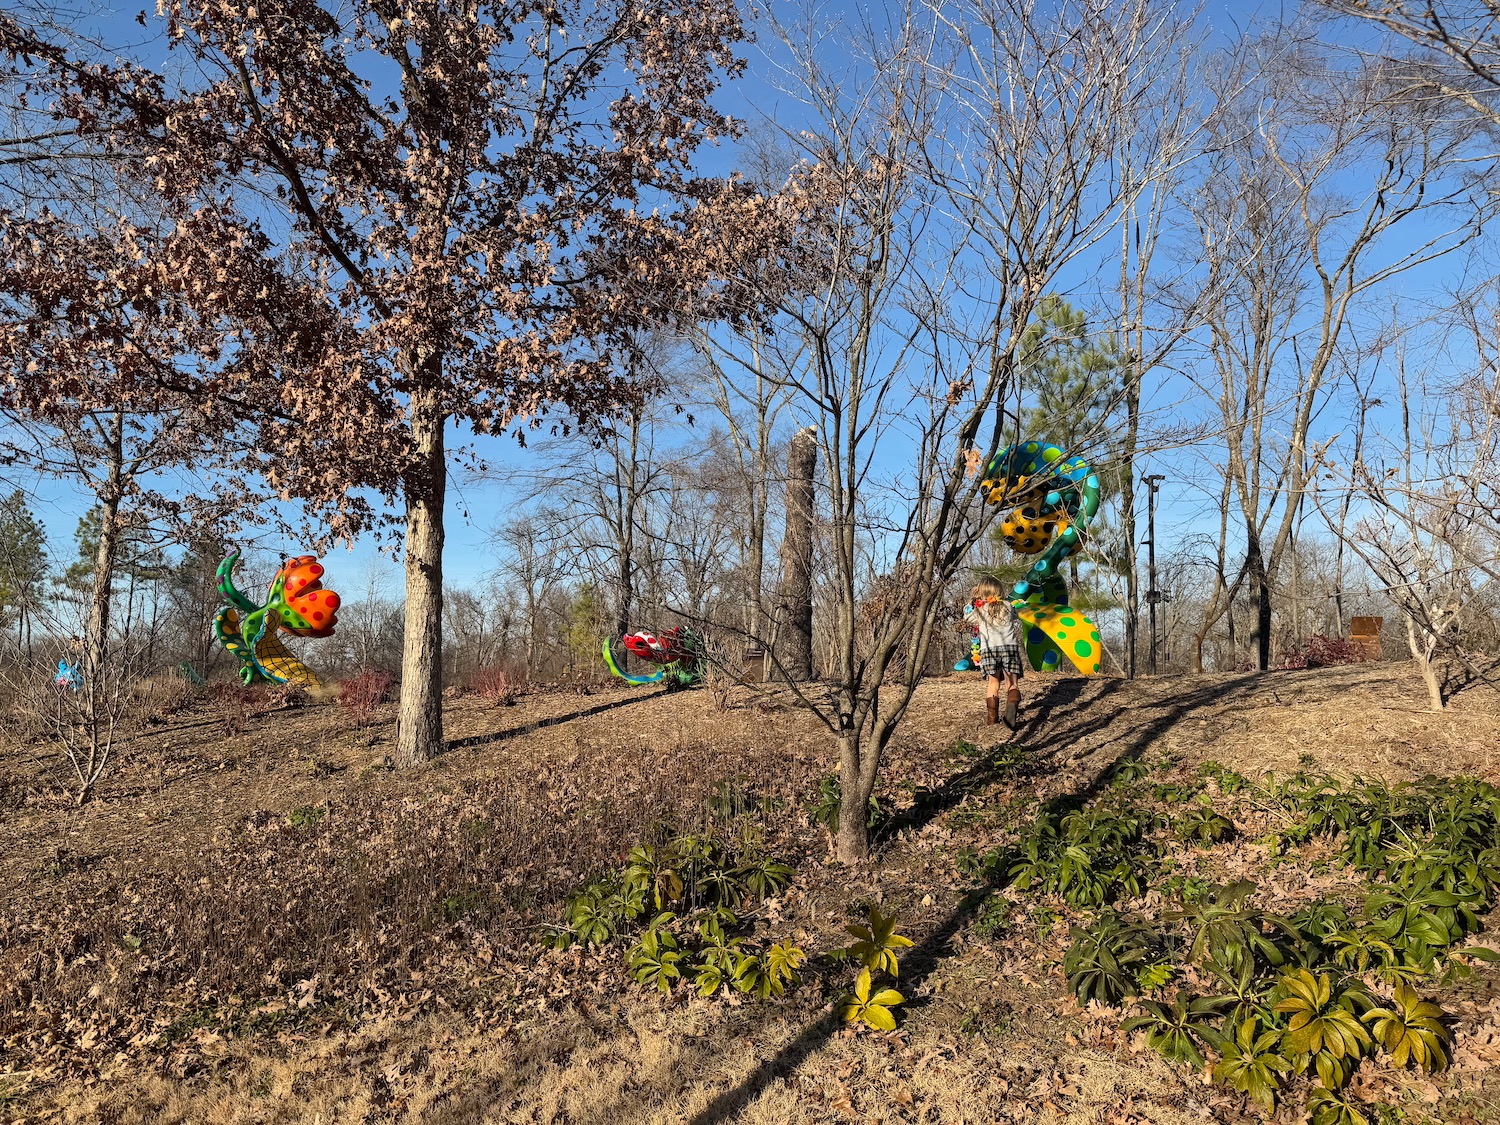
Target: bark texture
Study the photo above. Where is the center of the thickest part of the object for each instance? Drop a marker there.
(419, 734)
(794, 609)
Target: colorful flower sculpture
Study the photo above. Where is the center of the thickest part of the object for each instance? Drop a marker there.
(1057, 496)
(678, 652)
(296, 602)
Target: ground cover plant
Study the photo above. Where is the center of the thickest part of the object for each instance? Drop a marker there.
(1274, 1004)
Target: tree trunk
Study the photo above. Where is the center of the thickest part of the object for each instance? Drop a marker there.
(1421, 652)
(853, 842)
(96, 630)
(1260, 593)
(626, 583)
(1128, 532)
(90, 754)
(419, 730)
(755, 624)
(794, 609)
(626, 498)
(531, 616)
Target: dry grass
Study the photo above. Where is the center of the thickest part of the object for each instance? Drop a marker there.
(289, 893)
(638, 1063)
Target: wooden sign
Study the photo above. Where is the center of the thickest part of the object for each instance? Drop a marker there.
(1365, 632)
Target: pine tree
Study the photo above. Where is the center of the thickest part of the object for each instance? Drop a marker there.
(23, 566)
(1074, 383)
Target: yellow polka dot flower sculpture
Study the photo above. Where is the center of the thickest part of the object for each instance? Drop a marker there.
(1055, 496)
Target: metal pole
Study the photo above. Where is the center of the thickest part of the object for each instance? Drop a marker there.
(1153, 482)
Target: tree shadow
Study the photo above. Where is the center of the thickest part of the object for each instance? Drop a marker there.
(932, 950)
(469, 742)
(1068, 714)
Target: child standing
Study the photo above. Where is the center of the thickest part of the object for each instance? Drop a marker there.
(999, 630)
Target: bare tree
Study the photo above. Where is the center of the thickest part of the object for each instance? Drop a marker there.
(1313, 167)
(973, 152)
(1459, 42)
(535, 567)
(1427, 540)
(1430, 528)
(1155, 315)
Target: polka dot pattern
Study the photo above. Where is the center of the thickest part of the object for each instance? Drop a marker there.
(1055, 495)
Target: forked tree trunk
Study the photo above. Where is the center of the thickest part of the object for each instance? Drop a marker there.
(419, 731)
(794, 609)
(1421, 651)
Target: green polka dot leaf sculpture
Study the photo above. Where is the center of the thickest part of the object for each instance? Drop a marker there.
(1055, 496)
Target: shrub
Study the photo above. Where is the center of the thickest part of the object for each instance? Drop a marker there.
(289, 697)
(1323, 652)
(499, 686)
(1327, 652)
(361, 695)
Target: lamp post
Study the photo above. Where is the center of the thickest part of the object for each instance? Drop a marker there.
(1153, 595)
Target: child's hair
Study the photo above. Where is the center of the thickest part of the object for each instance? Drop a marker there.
(991, 591)
(986, 588)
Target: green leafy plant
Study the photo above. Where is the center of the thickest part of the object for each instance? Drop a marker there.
(305, 816)
(1321, 918)
(1228, 781)
(1173, 793)
(764, 876)
(1188, 888)
(1087, 857)
(993, 918)
(1102, 961)
(718, 954)
(1204, 826)
(770, 973)
(455, 905)
(1154, 975)
(1420, 919)
(1334, 1107)
(1173, 1029)
(1411, 1031)
(876, 942)
(600, 911)
(1360, 948)
(655, 961)
(1224, 927)
(655, 873)
(1249, 1061)
(873, 1010)
(1242, 997)
(1128, 771)
(1322, 1025)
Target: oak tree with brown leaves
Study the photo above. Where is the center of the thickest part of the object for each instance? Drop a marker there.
(486, 199)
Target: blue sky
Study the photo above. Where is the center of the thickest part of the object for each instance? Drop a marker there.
(475, 507)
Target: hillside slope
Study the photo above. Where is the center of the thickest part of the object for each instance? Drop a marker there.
(266, 925)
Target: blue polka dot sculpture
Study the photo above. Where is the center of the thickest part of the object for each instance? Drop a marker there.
(1055, 496)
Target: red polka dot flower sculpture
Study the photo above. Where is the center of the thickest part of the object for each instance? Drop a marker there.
(296, 603)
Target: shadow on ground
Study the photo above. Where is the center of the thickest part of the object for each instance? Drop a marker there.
(1069, 716)
(492, 737)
